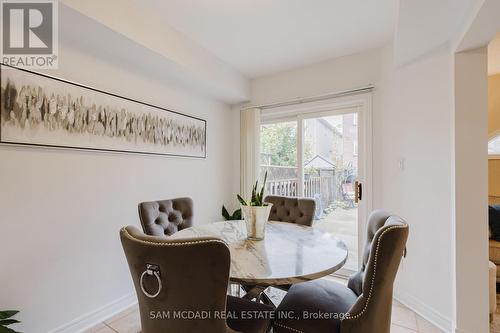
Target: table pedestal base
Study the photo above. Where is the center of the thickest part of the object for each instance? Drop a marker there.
(257, 293)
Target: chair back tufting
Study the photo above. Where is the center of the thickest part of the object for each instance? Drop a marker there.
(166, 217)
(293, 210)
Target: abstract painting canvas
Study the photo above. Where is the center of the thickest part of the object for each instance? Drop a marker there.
(41, 110)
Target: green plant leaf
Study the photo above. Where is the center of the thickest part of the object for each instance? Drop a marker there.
(262, 190)
(259, 200)
(253, 200)
(7, 322)
(236, 215)
(241, 200)
(7, 330)
(225, 213)
(8, 313)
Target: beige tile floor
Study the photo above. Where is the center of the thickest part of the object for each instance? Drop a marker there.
(403, 319)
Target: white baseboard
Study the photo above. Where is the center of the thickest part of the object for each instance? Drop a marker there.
(93, 318)
(426, 312)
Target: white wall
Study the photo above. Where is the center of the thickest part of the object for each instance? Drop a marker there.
(62, 210)
(412, 119)
(471, 194)
(329, 76)
(420, 126)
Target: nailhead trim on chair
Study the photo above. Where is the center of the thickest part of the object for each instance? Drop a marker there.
(176, 244)
(372, 282)
(289, 328)
(173, 244)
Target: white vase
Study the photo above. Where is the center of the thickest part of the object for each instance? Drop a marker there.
(255, 219)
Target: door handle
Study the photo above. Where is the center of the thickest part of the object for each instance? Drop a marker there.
(358, 191)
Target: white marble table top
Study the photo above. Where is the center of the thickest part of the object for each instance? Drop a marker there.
(289, 253)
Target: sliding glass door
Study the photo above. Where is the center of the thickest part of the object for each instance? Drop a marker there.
(330, 175)
(319, 155)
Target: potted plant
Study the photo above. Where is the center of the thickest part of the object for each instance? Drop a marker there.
(6, 320)
(256, 212)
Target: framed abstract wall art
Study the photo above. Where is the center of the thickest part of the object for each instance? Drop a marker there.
(41, 110)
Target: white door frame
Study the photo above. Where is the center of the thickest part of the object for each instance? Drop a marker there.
(362, 104)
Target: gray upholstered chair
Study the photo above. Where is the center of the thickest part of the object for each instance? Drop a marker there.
(186, 276)
(293, 210)
(365, 304)
(166, 217)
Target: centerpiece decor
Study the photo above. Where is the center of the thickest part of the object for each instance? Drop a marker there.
(256, 212)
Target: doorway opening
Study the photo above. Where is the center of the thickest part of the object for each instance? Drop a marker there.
(494, 179)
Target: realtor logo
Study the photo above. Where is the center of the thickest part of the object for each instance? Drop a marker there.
(29, 33)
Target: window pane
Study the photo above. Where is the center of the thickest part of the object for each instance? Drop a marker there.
(279, 157)
(330, 172)
(494, 146)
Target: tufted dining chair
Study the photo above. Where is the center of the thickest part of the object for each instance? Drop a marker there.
(365, 304)
(293, 210)
(177, 278)
(166, 217)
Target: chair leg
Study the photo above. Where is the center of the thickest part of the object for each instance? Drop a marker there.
(253, 292)
(267, 300)
(257, 293)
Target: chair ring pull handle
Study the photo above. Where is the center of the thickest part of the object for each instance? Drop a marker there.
(157, 275)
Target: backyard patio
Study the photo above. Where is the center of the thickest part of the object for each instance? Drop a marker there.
(342, 222)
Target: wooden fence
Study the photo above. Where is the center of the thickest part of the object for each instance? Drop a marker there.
(313, 186)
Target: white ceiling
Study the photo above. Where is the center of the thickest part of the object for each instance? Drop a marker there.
(425, 25)
(259, 37)
(494, 56)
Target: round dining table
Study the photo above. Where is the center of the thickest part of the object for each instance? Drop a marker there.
(288, 254)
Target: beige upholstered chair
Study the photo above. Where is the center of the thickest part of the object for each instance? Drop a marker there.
(166, 217)
(365, 304)
(293, 210)
(186, 276)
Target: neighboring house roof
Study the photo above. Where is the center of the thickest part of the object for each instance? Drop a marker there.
(320, 162)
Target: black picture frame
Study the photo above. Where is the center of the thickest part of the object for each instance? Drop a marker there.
(85, 87)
